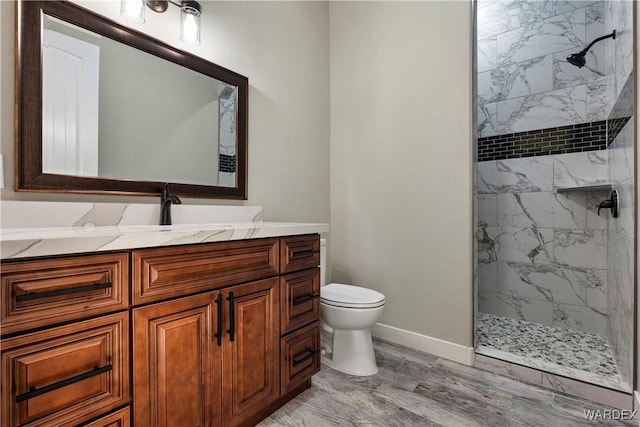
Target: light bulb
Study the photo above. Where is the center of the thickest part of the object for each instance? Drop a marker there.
(190, 28)
(132, 10)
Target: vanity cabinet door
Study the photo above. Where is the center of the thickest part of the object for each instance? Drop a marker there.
(176, 363)
(250, 364)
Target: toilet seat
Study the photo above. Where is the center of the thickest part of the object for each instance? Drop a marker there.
(349, 296)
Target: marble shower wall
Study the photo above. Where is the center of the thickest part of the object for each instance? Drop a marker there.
(524, 80)
(620, 256)
(620, 259)
(542, 254)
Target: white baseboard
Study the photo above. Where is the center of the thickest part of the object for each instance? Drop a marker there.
(437, 347)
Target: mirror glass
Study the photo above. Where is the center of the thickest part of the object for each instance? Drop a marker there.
(112, 111)
(105, 109)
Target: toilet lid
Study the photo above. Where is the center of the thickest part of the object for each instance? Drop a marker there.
(350, 296)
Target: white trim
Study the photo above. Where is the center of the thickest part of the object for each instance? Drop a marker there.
(437, 347)
(636, 401)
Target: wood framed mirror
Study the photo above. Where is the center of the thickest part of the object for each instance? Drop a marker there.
(148, 113)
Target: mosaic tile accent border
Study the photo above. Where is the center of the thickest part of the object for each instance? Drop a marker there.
(588, 136)
(227, 163)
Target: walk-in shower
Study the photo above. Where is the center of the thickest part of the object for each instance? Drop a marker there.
(555, 137)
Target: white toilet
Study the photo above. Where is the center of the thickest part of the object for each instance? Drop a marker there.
(348, 313)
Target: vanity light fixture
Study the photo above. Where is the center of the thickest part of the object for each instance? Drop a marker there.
(190, 11)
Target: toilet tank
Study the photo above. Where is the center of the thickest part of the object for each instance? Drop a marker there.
(323, 261)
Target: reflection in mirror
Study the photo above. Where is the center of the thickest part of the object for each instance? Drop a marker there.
(112, 111)
(102, 108)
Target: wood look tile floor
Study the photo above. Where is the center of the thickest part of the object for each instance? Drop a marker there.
(418, 389)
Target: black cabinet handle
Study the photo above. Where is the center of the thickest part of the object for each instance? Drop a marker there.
(33, 392)
(59, 292)
(302, 300)
(218, 334)
(308, 356)
(232, 318)
(302, 254)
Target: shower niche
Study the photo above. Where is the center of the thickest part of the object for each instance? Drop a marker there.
(555, 136)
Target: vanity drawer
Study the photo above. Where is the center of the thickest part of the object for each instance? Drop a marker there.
(176, 271)
(119, 418)
(45, 292)
(299, 252)
(299, 299)
(300, 357)
(66, 375)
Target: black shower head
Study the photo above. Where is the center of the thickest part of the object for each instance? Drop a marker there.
(578, 59)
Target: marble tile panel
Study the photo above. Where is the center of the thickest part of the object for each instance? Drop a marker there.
(595, 221)
(597, 100)
(487, 54)
(502, 16)
(578, 318)
(569, 210)
(529, 174)
(487, 244)
(523, 78)
(538, 38)
(580, 169)
(516, 307)
(580, 248)
(525, 209)
(564, 6)
(487, 209)
(548, 109)
(619, 16)
(550, 283)
(487, 118)
(621, 155)
(597, 292)
(531, 245)
(488, 276)
(542, 209)
(485, 86)
(594, 20)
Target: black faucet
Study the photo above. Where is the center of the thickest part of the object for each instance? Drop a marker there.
(166, 200)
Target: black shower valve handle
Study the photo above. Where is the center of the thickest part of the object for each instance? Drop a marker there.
(611, 203)
(605, 204)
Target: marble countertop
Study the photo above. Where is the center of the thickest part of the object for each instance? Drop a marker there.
(42, 241)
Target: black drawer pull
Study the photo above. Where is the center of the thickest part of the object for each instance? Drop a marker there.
(302, 254)
(59, 292)
(302, 300)
(232, 317)
(308, 356)
(218, 334)
(51, 387)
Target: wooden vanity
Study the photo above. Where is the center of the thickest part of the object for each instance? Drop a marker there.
(194, 335)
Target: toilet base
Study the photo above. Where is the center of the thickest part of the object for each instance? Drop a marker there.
(352, 353)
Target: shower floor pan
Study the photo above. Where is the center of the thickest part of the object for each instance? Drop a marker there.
(579, 355)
